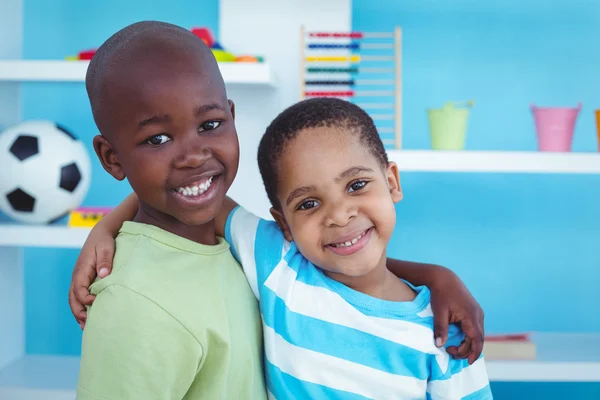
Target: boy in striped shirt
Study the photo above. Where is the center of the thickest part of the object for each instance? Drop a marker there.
(337, 323)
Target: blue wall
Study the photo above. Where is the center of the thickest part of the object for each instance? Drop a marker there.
(527, 245)
(53, 30)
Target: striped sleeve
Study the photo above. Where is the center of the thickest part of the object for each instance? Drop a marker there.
(255, 243)
(459, 380)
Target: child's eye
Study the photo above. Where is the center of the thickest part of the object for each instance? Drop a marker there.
(157, 140)
(308, 204)
(209, 126)
(357, 186)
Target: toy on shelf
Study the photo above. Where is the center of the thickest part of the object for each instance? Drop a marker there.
(448, 125)
(84, 55)
(205, 35)
(221, 55)
(47, 172)
(362, 67)
(87, 217)
(555, 127)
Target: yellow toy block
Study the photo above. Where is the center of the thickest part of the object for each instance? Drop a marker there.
(86, 217)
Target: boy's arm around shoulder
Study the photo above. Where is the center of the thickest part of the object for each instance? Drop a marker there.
(133, 349)
(458, 379)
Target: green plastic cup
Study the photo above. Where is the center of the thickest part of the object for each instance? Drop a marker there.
(448, 126)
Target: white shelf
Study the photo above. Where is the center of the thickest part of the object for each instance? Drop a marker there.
(561, 357)
(40, 377)
(496, 161)
(74, 71)
(42, 236)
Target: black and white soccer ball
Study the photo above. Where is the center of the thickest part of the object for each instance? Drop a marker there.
(45, 171)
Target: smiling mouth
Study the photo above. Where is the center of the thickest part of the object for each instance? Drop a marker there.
(195, 189)
(350, 242)
(350, 245)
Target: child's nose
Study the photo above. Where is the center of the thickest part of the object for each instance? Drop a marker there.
(192, 153)
(340, 213)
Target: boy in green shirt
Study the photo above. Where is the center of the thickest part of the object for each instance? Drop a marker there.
(176, 318)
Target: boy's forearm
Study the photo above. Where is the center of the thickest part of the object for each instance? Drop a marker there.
(418, 274)
(125, 211)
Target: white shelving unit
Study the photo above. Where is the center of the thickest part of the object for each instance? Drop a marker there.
(74, 71)
(496, 161)
(42, 236)
(561, 358)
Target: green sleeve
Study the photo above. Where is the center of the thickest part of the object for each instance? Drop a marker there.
(133, 349)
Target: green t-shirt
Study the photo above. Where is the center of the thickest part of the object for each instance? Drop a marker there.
(175, 320)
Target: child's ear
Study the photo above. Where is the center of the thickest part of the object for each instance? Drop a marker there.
(280, 219)
(393, 180)
(108, 157)
(232, 107)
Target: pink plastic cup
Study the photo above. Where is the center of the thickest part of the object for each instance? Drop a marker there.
(555, 127)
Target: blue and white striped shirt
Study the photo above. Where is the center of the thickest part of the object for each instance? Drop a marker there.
(324, 340)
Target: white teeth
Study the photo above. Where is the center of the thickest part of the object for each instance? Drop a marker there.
(195, 190)
(350, 243)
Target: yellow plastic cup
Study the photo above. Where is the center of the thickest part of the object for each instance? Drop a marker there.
(448, 126)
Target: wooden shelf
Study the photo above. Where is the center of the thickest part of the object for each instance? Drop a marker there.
(496, 161)
(42, 236)
(74, 71)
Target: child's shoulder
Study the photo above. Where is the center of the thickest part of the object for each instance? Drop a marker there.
(243, 226)
(151, 261)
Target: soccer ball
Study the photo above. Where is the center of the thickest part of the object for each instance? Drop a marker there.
(46, 172)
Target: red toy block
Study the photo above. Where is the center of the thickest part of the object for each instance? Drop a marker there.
(205, 35)
(87, 54)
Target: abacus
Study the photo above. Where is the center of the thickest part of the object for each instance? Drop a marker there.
(343, 65)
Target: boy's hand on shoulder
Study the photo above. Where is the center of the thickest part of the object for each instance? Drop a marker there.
(452, 303)
(95, 259)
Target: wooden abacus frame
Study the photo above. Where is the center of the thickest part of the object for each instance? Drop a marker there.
(352, 66)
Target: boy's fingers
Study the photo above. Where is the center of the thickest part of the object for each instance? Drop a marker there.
(83, 276)
(476, 350)
(104, 258)
(464, 349)
(474, 332)
(453, 351)
(440, 324)
(77, 308)
(83, 296)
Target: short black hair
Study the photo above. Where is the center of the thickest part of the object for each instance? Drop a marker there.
(313, 113)
(110, 54)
